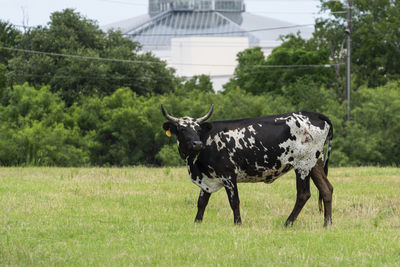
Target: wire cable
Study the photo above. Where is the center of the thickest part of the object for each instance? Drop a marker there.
(226, 32)
(80, 57)
(124, 2)
(164, 63)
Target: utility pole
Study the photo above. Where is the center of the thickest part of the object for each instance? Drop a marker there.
(348, 61)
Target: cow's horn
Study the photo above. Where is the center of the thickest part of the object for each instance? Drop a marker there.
(208, 115)
(166, 115)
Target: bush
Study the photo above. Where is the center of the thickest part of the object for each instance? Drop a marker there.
(373, 133)
(36, 130)
(125, 129)
(169, 156)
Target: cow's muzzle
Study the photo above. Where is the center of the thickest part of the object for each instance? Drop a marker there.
(197, 145)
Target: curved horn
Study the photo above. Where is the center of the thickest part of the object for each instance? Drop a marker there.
(208, 115)
(166, 115)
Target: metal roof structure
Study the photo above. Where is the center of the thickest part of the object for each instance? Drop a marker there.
(159, 30)
(169, 19)
(196, 36)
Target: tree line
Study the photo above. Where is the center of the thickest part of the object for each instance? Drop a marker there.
(73, 106)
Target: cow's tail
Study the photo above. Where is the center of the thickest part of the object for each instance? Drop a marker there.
(327, 155)
(328, 151)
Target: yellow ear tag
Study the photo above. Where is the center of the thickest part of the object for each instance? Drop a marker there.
(168, 133)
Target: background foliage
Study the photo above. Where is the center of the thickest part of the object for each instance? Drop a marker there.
(77, 111)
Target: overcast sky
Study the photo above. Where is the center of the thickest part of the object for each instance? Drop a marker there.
(37, 12)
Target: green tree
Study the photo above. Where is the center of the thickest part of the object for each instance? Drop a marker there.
(375, 38)
(198, 82)
(3, 78)
(101, 62)
(247, 76)
(259, 75)
(9, 37)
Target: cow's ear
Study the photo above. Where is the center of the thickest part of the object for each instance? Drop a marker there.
(169, 126)
(206, 126)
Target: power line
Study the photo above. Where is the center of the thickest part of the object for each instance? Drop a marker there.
(257, 12)
(287, 1)
(198, 43)
(226, 32)
(125, 78)
(123, 2)
(298, 12)
(78, 56)
(192, 33)
(254, 12)
(152, 47)
(162, 62)
(296, 66)
(57, 76)
(201, 33)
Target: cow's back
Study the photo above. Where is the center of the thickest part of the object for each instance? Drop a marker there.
(262, 149)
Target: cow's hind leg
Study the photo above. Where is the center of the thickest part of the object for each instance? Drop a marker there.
(202, 204)
(233, 196)
(325, 190)
(303, 194)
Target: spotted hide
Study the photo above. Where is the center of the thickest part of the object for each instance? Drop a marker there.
(221, 154)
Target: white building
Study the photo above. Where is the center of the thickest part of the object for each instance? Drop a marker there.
(204, 36)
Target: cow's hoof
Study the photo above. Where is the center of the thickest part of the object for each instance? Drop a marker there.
(288, 223)
(238, 223)
(328, 222)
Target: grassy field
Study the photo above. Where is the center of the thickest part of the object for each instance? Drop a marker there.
(142, 216)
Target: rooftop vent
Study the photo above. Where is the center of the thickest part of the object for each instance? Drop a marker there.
(159, 6)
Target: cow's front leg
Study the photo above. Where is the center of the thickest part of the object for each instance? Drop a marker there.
(233, 196)
(201, 205)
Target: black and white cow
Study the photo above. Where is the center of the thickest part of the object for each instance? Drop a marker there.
(223, 153)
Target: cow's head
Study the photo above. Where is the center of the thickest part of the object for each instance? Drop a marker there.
(188, 132)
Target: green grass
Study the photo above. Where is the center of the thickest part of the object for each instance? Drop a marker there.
(142, 216)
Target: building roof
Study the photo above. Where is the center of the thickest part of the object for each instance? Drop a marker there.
(269, 30)
(156, 32)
